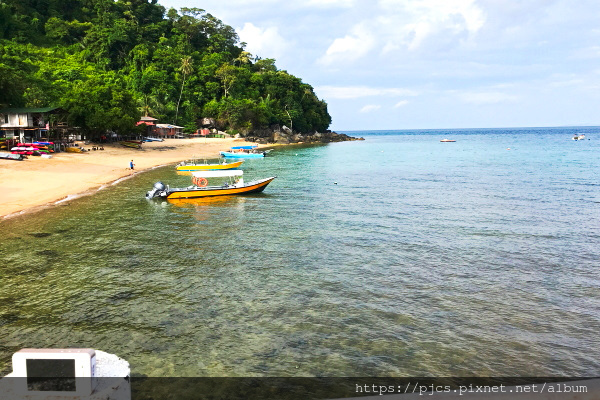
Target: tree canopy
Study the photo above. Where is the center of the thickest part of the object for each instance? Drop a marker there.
(108, 62)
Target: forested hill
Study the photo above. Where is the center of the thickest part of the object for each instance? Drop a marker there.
(109, 62)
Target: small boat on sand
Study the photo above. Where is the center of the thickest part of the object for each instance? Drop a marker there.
(197, 165)
(447, 141)
(136, 144)
(200, 188)
(74, 149)
(11, 156)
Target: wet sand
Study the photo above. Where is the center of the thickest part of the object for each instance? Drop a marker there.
(27, 185)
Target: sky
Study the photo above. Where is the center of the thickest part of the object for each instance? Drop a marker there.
(431, 64)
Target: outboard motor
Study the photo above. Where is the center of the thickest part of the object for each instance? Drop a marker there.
(157, 190)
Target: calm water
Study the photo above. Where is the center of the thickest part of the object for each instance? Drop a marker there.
(426, 258)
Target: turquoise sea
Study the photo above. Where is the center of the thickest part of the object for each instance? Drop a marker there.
(394, 256)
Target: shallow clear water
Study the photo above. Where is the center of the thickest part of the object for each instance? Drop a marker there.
(426, 258)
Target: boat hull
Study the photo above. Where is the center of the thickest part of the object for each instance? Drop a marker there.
(11, 156)
(204, 167)
(228, 154)
(252, 187)
(136, 144)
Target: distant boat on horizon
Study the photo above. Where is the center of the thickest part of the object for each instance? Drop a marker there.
(447, 141)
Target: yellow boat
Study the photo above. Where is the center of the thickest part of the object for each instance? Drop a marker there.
(236, 186)
(74, 149)
(194, 165)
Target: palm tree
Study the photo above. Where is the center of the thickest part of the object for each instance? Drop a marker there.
(149, 104)
(186, 69)
(290, 117)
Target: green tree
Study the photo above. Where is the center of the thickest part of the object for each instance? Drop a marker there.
(100, 104)
(185, 69)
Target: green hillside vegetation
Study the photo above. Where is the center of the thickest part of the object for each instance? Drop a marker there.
(109, 62)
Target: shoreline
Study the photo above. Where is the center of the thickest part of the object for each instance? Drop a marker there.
(74, 196)
(37, 184)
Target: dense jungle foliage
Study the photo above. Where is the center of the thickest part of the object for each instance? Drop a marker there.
(108, 62)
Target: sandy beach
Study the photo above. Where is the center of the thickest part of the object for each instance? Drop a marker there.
(27, 185)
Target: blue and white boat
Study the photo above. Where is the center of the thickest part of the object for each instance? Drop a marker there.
(243, 152)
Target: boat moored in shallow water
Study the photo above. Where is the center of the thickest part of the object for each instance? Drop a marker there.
(243, 152)
(234, 186)
(197, 165)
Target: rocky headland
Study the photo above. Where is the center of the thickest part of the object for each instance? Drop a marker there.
(283, 134)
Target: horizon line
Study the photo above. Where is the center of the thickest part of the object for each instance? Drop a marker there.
(438, 129)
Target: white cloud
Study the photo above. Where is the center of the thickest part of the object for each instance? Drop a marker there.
(369, 108)
(330, 3)
(411, 22)
(349, 48)
(482, 98)
(393, 25)
(401, 103)
(263, 42)
(355, 92)
(587, 53)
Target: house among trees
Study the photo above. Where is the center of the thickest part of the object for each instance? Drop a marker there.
(31, 123)
(169, 131)
(160, 130)
(150, 125)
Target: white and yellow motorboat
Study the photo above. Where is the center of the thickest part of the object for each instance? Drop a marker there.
(197, 165)
(234, 186)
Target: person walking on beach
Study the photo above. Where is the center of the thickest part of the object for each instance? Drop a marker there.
(131, 164)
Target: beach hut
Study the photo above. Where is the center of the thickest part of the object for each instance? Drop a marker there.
(27, 124)
(150, 125)
(169, 131)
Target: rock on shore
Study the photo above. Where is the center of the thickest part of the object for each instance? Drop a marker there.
(284, 135)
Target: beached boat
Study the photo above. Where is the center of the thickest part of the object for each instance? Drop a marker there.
(11, 156)
(447, 141)
(136, 144)
(74, 149)
(243, 152)
(200, 188)
(151, 139)
(196, 165)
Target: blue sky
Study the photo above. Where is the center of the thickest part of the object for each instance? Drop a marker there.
(410, 64)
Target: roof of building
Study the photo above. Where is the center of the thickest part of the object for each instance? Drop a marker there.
(169, 126)
(147, 118)
(25, 110)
